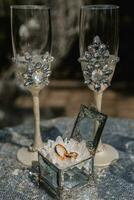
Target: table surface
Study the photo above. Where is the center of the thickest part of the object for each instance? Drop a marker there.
(113, 183)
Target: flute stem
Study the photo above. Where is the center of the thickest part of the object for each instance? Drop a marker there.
(98, 100)
(98, 103)
(38, 144)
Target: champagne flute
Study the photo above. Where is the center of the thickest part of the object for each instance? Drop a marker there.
(98, 39)
(31, 43)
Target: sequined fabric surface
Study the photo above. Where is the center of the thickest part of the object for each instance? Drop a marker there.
(113, 183)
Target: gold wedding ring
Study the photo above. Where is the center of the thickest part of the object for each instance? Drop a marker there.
(62, 152)
(72, 155)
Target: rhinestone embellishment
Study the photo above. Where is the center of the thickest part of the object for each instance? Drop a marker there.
(34, 70)
(98, 65)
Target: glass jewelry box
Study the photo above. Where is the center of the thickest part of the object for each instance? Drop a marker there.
(61, 182)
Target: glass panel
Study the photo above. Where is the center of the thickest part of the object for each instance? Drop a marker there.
(86, 128)
(89, 126)
(79, 175)
(48, 174)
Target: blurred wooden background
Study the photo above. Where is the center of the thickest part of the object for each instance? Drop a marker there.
(63, 98)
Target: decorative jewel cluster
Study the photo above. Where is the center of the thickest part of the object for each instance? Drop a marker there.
(98, 65)
(37, 68)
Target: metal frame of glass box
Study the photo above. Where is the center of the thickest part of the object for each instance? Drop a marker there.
(62, 182)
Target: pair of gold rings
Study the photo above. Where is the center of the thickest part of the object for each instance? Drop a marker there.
(62, 152)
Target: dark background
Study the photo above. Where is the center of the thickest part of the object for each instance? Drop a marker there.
(66, 66)
(65, 18)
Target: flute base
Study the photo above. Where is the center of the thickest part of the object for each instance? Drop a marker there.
(105, 157)
(27, 157)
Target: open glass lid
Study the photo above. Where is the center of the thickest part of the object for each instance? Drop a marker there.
(88, 126)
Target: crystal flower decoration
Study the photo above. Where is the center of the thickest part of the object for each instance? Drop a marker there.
(98, 65)
(36, 70)
(70, 145)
